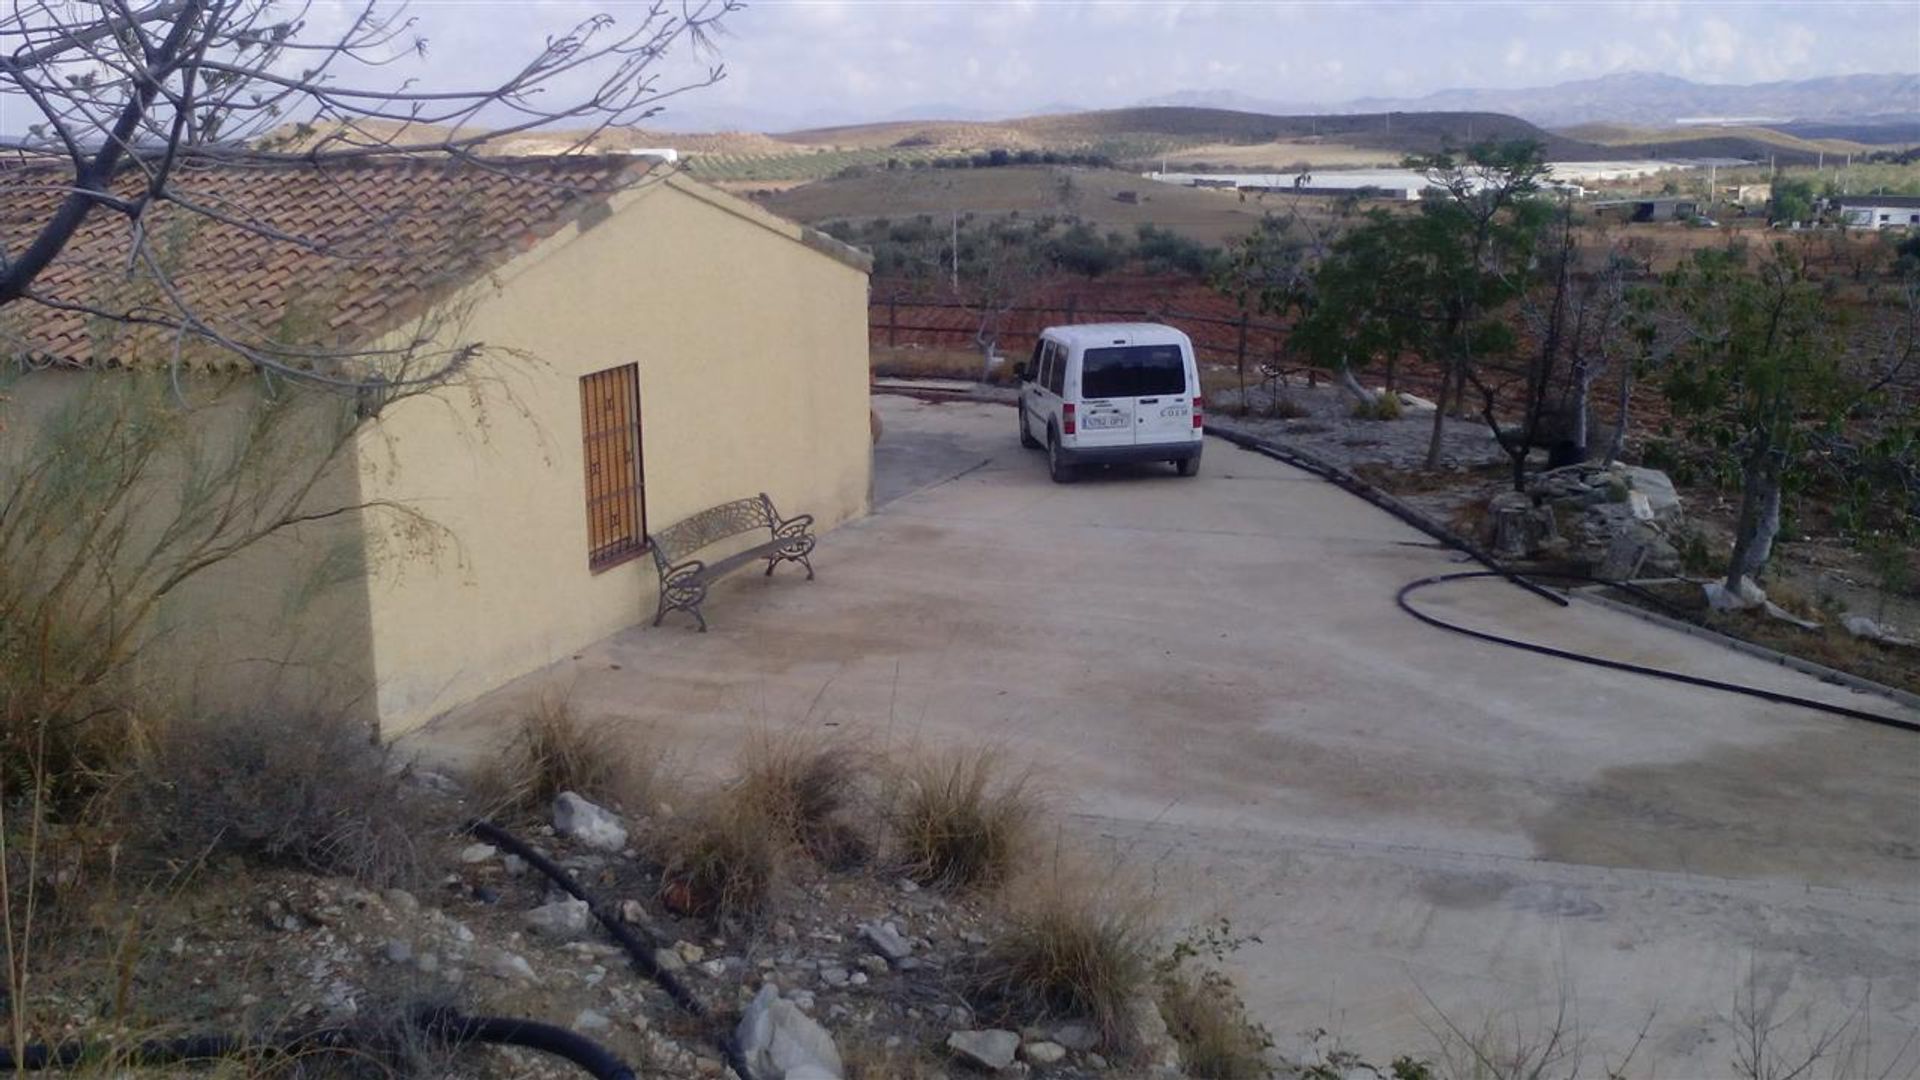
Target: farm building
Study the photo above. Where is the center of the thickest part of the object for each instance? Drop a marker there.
(1878, 211)
(628, 347)
(1677, 208)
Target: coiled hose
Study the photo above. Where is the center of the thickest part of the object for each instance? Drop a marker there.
(1356, 486)
(1774, 696)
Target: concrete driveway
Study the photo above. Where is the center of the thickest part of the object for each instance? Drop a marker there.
(1213, 676)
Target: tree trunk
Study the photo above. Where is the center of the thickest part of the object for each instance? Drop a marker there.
(1624, 402)
(1759, 516)
(1352, 386)
(1439, 423)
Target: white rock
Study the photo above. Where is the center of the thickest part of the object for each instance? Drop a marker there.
(580, 819)
(1662, 500)
(1043, 1053)
(478, 853)
(563, 919)
(668, 960)
(992, 1049)
(1720, 599)
(1150, 1033)
(590, 1020)
(887, 941)
(514, 865)
(782, 1043)
(511, 967)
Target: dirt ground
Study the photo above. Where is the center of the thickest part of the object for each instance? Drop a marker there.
(1212, 678)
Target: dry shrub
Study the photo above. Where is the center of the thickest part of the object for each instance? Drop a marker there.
(1384, 406)
(723, 862)
(1218, 1041)
(874, 1061)
(553, 750)
(957, 825)
(287, 789)
(1284, 407)
(811, 790)
(1076, 945)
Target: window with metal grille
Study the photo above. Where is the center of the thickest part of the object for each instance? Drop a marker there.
(616, 488)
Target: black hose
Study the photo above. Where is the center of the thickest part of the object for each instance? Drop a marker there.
(1353, 485)
(444, 1025)
(1621, 665)
(639, 948)
(449, 1026)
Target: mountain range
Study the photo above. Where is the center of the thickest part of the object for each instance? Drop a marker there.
(1627, 98)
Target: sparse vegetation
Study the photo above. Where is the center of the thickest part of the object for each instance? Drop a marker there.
(306, 790)
(1074, 947)
(553, 750)
(809, 790)
(958, 824)
(723, 862)
(1218, 1041)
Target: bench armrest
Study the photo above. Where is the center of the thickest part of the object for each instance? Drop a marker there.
(690, 568)
(798, 523)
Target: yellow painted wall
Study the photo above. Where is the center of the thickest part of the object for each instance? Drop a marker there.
(282, 624)
(751, 348)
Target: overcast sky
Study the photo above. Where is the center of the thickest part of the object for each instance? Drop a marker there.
(826, 60)
(796, 63)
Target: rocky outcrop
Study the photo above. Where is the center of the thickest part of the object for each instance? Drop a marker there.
(1616, 521)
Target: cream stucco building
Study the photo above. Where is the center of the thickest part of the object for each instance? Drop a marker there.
(631, 348)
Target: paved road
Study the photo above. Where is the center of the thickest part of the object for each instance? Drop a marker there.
(1213, 676)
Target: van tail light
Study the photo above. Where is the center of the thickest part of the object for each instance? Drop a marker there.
(1066, 419)
(1199, 403)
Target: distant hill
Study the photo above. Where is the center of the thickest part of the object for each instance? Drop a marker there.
(1646, 98)
(1142, 132)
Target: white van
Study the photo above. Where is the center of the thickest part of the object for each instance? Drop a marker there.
(1107, 393)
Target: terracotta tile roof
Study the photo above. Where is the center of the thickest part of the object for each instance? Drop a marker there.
(390, 237)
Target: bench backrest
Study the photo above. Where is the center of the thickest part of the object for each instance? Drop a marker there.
(712, 525)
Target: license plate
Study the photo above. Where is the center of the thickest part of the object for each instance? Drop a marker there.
(1106, 420)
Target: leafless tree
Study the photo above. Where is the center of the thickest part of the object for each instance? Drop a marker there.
(125, 98)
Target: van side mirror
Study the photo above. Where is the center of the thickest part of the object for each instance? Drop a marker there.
(1020, 371)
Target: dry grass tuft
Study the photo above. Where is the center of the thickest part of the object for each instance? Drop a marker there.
(1384, 406)
(1218, 1041)
(1075, 946)
(958, 825)
(723, 863)
(553, 750)
(306, 790)
(810, 790)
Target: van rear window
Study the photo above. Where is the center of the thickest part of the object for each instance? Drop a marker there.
(1133, 371)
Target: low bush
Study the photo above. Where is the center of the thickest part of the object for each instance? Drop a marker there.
(290, 789)
(1072, 948)
(1384, 406)
(958, 825)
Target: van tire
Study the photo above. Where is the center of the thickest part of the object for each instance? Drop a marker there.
(1060, 471)
(1188, 466)
(1026, 437)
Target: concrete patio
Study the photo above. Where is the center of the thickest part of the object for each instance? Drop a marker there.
(1212, 676)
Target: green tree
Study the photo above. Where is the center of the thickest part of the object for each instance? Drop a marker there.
(1759, 373)
(1792, 201)
(1435, 283)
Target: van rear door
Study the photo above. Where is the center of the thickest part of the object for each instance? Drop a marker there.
(1146, 382)
(1105, 415)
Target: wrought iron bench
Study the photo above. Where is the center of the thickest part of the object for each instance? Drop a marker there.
(684, 579)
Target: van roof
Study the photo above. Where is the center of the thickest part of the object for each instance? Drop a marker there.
(1134, 333)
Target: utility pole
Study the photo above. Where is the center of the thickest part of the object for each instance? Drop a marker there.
(954, 245)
